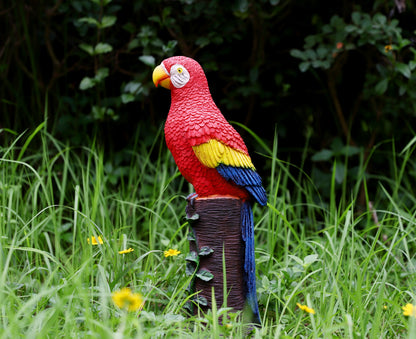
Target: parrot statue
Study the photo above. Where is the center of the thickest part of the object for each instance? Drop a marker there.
(209, 152)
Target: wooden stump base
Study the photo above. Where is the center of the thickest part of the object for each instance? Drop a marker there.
(215, 240)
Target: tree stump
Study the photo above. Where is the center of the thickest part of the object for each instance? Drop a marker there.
(216, 239)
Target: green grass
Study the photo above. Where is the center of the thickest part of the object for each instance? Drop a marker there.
(356, 271)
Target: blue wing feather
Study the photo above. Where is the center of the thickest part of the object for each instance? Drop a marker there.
(247, 178)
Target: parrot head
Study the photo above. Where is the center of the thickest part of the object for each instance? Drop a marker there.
(179, 72)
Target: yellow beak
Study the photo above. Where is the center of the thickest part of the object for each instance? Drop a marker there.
(160, 77)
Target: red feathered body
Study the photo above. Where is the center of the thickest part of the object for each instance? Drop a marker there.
(194, 119)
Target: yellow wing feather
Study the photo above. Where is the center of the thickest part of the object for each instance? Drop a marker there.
(214, 152)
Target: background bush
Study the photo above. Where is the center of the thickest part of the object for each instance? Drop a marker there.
(334, 80)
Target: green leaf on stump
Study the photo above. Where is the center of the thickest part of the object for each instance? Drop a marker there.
(191, 236)
(205, 250)
(192, 256)
(190, 268)
(204, 275)
(201, 300)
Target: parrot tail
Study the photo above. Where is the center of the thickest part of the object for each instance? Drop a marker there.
(249, 263)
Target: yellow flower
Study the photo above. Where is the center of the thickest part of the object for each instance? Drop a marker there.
(171, 253)
(388, 48)
(125, 298)
(409, 310)
(94, 241)
(306, 308)
(126, 251)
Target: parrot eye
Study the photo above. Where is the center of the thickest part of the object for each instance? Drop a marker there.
(179, 76)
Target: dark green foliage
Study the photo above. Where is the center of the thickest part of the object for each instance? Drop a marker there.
(318, 73)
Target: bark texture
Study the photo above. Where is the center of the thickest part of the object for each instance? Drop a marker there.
(217, 239)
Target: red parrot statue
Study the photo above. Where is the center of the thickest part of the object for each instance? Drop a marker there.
(209, 152)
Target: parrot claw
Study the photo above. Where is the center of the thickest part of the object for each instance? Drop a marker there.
(191, 216)
(191, 198)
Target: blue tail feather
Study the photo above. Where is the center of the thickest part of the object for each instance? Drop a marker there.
(249, 260)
